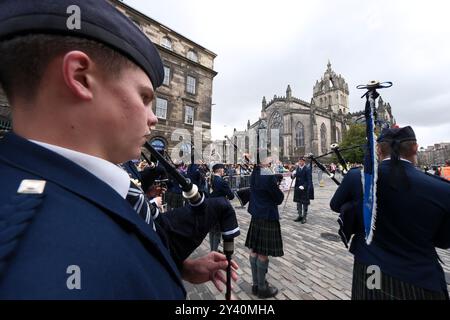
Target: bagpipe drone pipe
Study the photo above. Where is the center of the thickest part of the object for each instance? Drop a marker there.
(185, 228)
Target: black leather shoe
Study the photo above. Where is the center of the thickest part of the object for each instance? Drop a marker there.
(255, 290)
(268, 292)
(298, 219)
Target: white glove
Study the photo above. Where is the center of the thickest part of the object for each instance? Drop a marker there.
(302, 188)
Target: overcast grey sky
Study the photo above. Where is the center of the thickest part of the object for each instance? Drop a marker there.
(264, 45)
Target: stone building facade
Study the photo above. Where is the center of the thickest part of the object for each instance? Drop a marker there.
(384, 113)
(434, 155)
(302, 127)
(185, 98)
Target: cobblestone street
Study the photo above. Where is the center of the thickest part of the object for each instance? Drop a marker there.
(315, 266)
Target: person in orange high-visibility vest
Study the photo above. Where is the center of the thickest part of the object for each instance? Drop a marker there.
(445, 171)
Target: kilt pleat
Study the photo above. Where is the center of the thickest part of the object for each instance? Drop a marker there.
(391, 288)
(264, 237)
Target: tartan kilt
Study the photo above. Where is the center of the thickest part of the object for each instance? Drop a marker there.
(264, 237)
(390, 288)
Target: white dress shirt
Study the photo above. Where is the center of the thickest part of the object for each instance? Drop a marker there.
(106, 171)
(385, 159)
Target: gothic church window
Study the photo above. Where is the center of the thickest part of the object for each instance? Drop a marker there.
(338, 135)
(276, 122)
(323, 138)
(299, 135)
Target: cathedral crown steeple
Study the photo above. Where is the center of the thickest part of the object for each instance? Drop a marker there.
(331, 91)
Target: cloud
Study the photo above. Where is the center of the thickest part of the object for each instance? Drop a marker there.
(263, 46)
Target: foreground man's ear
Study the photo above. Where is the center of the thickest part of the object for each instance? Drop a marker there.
(77, 71)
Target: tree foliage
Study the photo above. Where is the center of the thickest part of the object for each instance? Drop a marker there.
(355, 135)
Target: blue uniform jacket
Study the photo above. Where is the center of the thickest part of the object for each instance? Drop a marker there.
(77, 221)
(302, 178)
(311, 185)
(265, 196)
(410, 224)
(221, 188)
(132, 171)
(197, 177)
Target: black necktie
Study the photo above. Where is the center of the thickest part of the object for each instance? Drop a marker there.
(140, 204)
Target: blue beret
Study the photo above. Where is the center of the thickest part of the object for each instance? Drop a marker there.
(218, 166)
(100, 21)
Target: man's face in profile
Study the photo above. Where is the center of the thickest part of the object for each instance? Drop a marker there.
(128, 98)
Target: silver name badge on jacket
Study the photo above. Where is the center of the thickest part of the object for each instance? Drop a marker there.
(32, 187)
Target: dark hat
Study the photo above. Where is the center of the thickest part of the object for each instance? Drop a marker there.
(397, 134)
(99, 21)
(218, 166)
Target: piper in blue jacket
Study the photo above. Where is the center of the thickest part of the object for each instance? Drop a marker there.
(303, 189)
(413, 218)
(220, 189)
(66, 228)
(264, 233)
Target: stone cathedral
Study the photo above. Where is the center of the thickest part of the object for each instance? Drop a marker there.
(313, 126)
